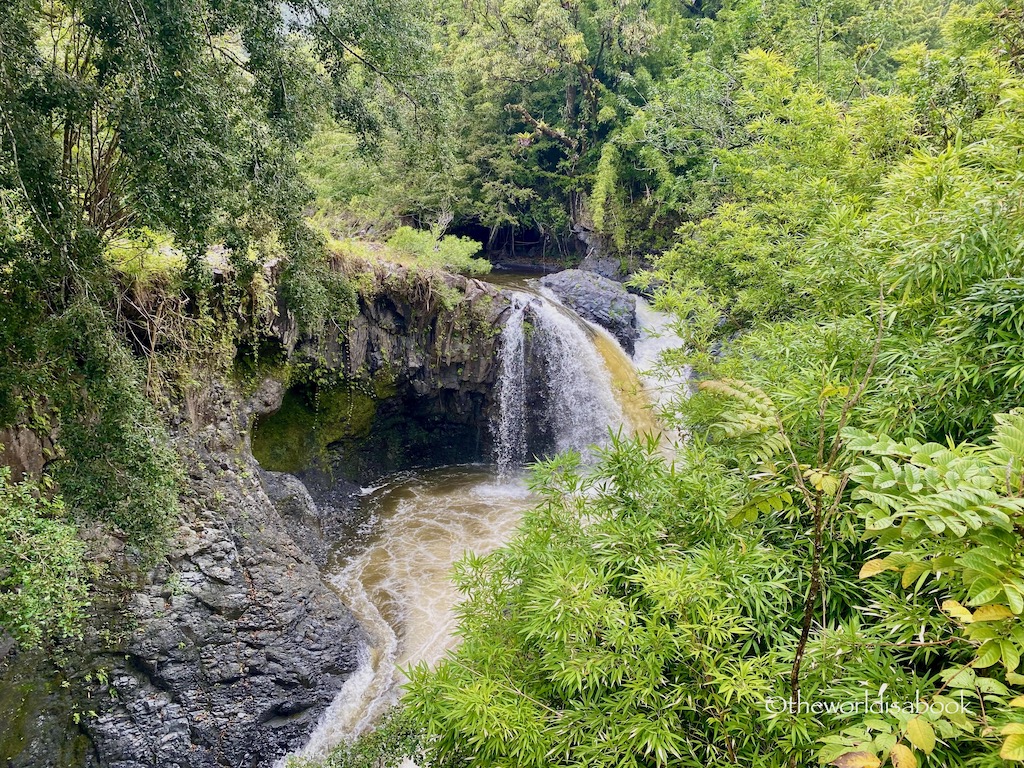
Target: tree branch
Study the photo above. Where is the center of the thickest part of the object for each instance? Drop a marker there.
(541, 127)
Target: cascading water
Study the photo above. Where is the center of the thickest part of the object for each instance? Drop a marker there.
(509, 428)
(544, 345)
(559, 379)
(658, 334)
(397, 583)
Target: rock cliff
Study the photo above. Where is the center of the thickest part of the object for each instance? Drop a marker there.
(232, 646)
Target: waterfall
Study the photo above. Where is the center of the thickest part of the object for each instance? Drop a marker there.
(509, 428)
(659, 335)
(561, 385)
(544, 346)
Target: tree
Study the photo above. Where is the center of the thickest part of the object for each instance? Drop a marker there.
(128, 122)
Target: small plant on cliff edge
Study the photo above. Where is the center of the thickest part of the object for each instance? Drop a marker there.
(449, 252)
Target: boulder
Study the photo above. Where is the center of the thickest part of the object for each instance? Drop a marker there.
(599, 300)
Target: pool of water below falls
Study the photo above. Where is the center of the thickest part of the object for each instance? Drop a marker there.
(394, 573)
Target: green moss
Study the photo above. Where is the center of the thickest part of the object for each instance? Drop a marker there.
(14, 711)
(283, 441)
(343, 412)
(311, 418)
(28, 697)
(254, 362)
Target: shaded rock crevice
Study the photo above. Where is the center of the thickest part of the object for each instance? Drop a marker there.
(408, 382)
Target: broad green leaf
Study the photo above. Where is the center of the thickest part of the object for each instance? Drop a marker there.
(1014, 598)
(912, 572)
(1011, 654)
(987, 655)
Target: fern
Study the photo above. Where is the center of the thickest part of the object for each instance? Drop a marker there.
(752, 420)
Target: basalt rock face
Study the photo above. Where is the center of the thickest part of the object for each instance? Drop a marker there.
(419, 365)
(599, 300)
(232, 646)
(238, 645)
(599, 258)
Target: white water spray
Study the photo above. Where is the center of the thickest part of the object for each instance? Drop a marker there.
(541, 338)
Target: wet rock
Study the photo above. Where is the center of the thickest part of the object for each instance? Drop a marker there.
(599, 300)
(312, 523)
(419, 365)
(238, 645)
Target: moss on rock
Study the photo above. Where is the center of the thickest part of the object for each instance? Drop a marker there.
(312, 417)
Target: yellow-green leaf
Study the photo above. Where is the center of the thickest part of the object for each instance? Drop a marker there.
(957, 611)
(1013, 747)
(1011, 728)
(857, 760)
(992, 613)
(912, 572)
(921, 734)
(987, 655)
(872, 568)
(902, 757)
(1017, 701)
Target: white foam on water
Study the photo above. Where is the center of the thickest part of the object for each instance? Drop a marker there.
(399, 587)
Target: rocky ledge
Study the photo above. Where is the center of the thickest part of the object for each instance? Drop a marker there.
(232, 645)
(599, 300)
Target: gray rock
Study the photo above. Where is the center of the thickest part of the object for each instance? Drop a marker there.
(599, 300)
(312, 523)
(238, 645)
(598, 257)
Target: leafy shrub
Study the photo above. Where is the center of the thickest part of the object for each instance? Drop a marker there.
(118, 465)
(450, 252)
(43, 574)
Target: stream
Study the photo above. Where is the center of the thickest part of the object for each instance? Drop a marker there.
(394, 574)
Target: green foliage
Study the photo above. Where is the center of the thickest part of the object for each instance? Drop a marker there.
(944, 517)
(448, 252)
(314, 289)
(149, 187)
(394, 738)
(846, 200)
(118, 466)
(44, 578)
(626, 623)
